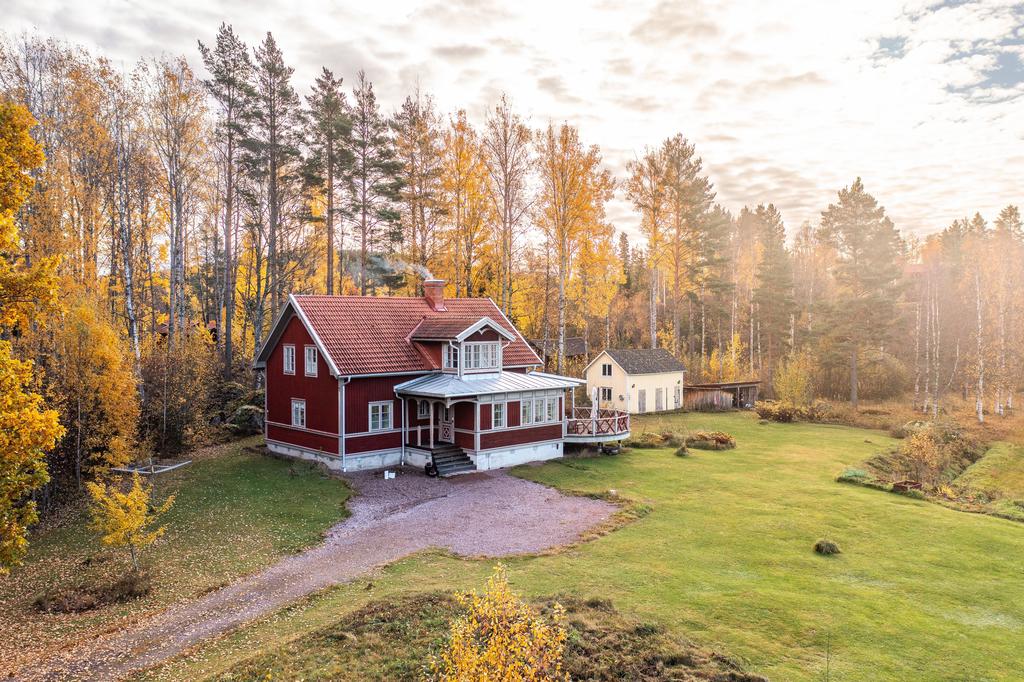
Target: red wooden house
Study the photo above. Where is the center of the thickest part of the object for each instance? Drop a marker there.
(364, 382)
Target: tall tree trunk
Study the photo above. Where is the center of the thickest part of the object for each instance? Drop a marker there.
(979, 402)
(229, 264)
(654, 307)
(330, 216)
(853, 376)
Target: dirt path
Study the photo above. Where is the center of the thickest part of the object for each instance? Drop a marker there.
(485, 514)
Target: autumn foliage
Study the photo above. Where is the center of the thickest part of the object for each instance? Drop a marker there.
(502, 638)
(126, 518)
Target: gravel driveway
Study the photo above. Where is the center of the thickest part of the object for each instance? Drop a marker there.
(482, 514)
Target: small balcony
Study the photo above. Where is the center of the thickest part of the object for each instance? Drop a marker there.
(587, 425)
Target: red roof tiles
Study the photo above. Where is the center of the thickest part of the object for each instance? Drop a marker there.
(370, 334)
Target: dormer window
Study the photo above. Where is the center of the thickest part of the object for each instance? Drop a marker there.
(482, 355)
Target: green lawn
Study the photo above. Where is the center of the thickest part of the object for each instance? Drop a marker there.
(236, 512)
(920, 592)
(999, 476)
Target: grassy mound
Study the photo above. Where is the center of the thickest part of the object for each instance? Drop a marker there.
(393, 639)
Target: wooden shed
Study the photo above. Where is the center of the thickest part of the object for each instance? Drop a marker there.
(726, 395)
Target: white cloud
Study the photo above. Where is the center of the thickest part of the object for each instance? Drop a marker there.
(786, 101)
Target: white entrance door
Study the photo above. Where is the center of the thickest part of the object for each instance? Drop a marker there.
(641, 400)
(447, 431)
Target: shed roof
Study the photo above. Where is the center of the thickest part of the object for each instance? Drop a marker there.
(645, 360)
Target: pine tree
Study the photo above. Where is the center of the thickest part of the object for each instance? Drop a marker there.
(418, 150)
(869, 249)
(375, 179)
(773, 294)
(231, 87)
(272, 152)
(330, 159)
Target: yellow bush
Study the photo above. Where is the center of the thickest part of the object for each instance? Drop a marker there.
(126, 519)
(502, 638)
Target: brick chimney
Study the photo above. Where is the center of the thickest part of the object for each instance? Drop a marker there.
(433, 291)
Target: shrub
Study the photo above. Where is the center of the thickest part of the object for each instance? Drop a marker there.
(793, 380)
(826, 547)
(710, 440)
(672, 440)
(931, 453)
(646, 439)
(786, 412)
(681, 451)
(502, 638)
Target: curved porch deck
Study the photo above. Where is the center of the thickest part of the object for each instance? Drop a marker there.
(586, 425)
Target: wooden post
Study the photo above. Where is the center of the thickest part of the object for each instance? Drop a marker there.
(430, 427)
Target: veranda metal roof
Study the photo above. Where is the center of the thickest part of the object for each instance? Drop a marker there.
(451, 386)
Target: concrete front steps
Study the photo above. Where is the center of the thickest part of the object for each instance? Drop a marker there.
(451, 460)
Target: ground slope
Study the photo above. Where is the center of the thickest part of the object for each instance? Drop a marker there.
(725, 558)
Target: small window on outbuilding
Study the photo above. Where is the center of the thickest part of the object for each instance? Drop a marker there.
(606, 369)
(289, 358)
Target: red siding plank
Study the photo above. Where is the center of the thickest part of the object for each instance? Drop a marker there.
(497, 439)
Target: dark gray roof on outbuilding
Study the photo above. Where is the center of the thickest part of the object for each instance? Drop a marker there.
(645, 360)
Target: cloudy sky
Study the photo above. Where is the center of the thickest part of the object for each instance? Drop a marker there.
(786, 101)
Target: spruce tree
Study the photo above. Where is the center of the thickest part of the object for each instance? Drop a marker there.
(867, 271)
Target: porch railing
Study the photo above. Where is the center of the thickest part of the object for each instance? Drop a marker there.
(584, 422)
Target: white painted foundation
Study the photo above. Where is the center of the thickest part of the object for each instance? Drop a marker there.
(361, 461)
(499, 458)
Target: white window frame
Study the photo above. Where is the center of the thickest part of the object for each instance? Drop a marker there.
(539, 416)
(526, 411)
(482, 355)
(299, 412)
(497, 423)
(606, 394)
(552, 410)
(606, 369)
(382, 408)
(289, 367)
(451, 357)
(306, 360)
(423, 409)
